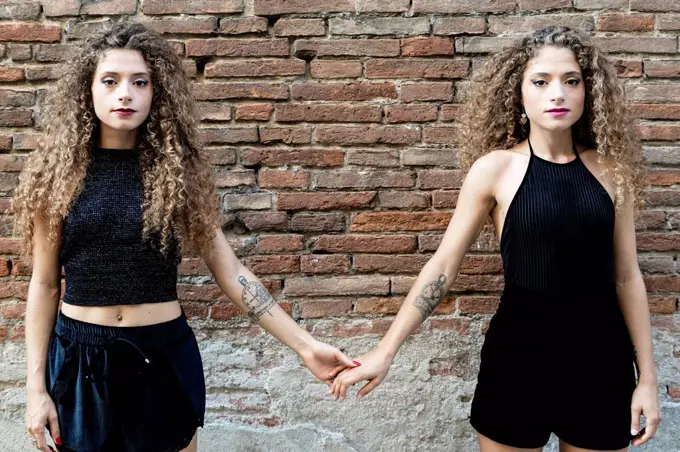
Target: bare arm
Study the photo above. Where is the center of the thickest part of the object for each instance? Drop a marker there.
(247, 292)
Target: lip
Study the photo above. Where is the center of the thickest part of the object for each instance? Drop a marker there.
(125, 111)
(557, 111)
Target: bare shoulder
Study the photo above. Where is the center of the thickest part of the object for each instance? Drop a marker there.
(495, 163)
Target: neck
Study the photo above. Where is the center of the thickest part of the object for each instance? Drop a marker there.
(116, 139)
(555, 146)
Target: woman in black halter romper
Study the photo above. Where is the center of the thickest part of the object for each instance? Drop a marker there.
(560, 354)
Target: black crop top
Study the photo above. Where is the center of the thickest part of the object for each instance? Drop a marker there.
(105, 260)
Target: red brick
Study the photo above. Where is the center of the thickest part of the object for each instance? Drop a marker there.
(652, 241)
(662, 283)
(627, 68)
(229, 135)
(296, 156)
(234, 178)
(407, 200)
(328, 113)
(13, 289)
(192, 6)
(662, 68)
(325, 308)
(426, 46)
(347, 47)
(335, 69)
(458, 25)
(99, 8)
(30, 32)
(445, 199)
(195, 310)
(243, 25)
(673, 392)
(286, 135)
(268, 265)
(207, 292)
(11, 74)
(663, 177)
(389, 264)
(481, 283)
(544, 4)
(16, 118)
(9, 246)
(463, 6)
(379, 26)
(462, 326)
(373, 157)
(428, 179)
(324, 201)
(214, 111)
(400, 221)
(324, 263)
(5, 142)
(299, 27)
(348, 135)
(12, 310)
(279, 7)
(264, 221)
(234, 47)
(318, 222)
(625, 22)
(412, 92)
(450, 112)
(637, 44)
(660, 304)
(383, 244)
(273, 243)
(418, 68)
(193, 267)
(652, 219)
(410, 113)
(256, 68)
(364, 179)
(358, 91)
(221, 156)
(183, 26)
(379, 306)
(4, 267)
(337, 285)
(224, 311)
(283, 179)
(12, 162)
(383, 6)
(210, 91)
(478, 304)
(254, 112)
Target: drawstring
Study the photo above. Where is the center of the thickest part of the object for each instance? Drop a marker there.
(90, 375)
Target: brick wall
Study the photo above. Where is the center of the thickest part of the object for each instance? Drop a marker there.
(331, 125)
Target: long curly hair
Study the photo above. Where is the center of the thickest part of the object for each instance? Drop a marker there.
(180, 202)
(490, 119)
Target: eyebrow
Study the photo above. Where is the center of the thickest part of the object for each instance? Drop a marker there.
(116, 73)
(545, 74)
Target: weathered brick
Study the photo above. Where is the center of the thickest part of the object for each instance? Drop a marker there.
(335, 69)
(417, 68)
(544, 4)
(11, 74)
(637, 44)
(254, 112)
(627, 68)
(406, 200)
(439, 135)
(410, 113)
(445, 199)
(347, 47)
(13, 289)
(9, 245)
(16, 118)
(287, 135)
(255, 68)
(654, 92)
(429, 157)
(379, 306)
(662, 68)
(6, 142)
(478, 304)
(413, 92)
(16, 98)
(663, 198)
(192, 6)
(42, 73)
(428, 179)
(382, 244)
(463, 6)
(324, 263)
(12, 162)
(656, 264)
(363, 179)
(450, 112)
(654, 5)
(296, 156)
(373, 157)
(347, 285)
(389, 263)
(183, 26)
(383, 6)
(669, 132)
(527, 24)
(662, 283)
(283, 179)
(353, 328)
(99, 8)
(279, 7)
(665, 22)
(276, 243)
(324, 308)
(264, 221)
(234, 47)
(12, 310)
(19, 52)
(625, 22)
(664, 155)
(663, 177)
(328, 113)
(193, 267)
(25, 10)
(404, 26)
(234, 178)
(213, 111)
(459, 25)
(269, 265)
(299, 27)
(426, 46)
(654, 241)
(348, 135)
(247, 201)
(229, 135)
(52, 53)
(656, 111)
(211, 91)
(358, 91)
(324, 201)
(478, 44)
(600, 4)
(30, 32)
(318, 222)
(243, 25)
(400, 221)
(220, 155)
(660, 304)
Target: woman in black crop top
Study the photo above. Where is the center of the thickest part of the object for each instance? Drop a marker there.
(116, 190)
(558, 170)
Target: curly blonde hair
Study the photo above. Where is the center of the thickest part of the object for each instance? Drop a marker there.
(180, 202)
(490, 120)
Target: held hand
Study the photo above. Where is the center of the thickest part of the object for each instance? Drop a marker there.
(40, 411)
(374, 368)
(322, 359)
(645, 402)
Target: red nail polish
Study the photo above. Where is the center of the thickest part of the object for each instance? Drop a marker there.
(356, 363)
(58, 441)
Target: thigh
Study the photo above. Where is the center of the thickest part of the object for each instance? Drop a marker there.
(565, 447)
(489, 445)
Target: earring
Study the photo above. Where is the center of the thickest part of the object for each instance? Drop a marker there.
(523, 119)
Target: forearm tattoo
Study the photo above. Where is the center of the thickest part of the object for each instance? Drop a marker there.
(430, 296)
(257, 298)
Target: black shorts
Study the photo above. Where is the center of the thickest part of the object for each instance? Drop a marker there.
(126, 388)
(563, 370)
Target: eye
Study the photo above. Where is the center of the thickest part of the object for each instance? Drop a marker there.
(108, 82)
(539, 83)
(141, 83)
(573, 82)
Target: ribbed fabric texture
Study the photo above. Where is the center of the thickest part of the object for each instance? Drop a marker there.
(105, 260)
(558, 234)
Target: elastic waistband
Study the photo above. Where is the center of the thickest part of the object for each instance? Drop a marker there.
(588, 298)
(158, 334)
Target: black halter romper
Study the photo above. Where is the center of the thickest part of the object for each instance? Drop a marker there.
(557, 356)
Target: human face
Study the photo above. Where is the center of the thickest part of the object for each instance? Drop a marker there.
(121, 91)
(553, 91)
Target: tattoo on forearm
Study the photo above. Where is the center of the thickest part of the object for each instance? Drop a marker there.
(430, 296)
(257, 298)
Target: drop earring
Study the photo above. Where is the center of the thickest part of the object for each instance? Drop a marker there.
(523, 119)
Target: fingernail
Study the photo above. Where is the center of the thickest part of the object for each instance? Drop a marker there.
(633, 432)
(58, 441)
(356, 363)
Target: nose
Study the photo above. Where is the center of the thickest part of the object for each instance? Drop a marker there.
(557, 92)
(124, 95)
